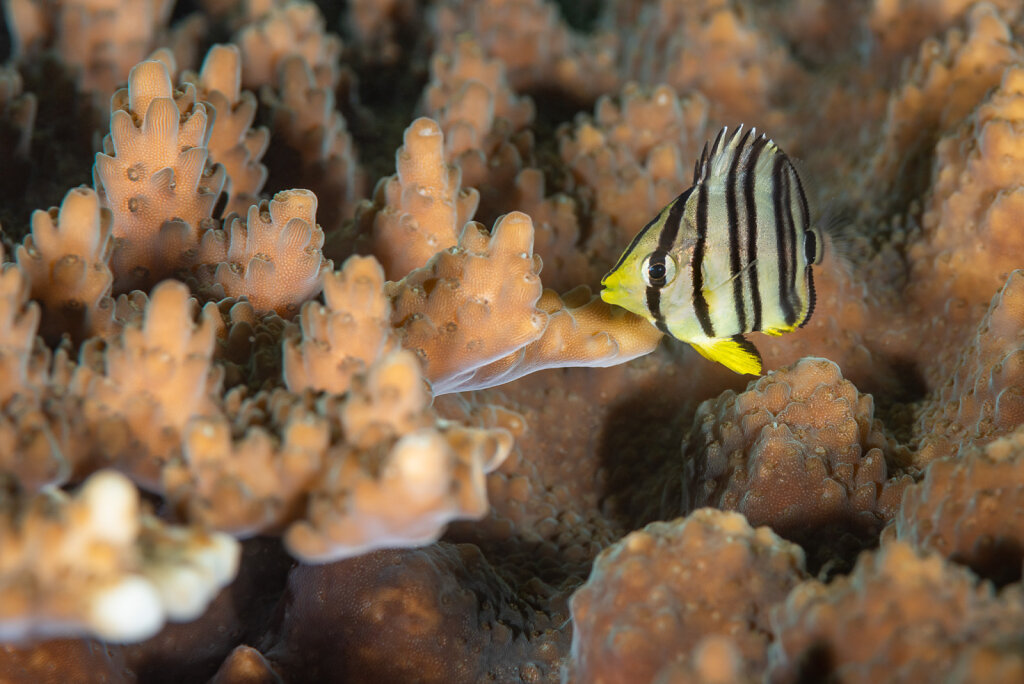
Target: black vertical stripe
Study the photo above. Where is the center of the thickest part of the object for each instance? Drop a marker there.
(654, 306)
(735, 258)
(748, 196)
(793, 241)
(779, 190)
(670, 229)
(700, 303)
(812, 298)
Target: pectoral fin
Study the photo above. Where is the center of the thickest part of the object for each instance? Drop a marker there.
(735, 353)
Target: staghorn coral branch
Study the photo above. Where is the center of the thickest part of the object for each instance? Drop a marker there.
(273, 257)
(65, 261)
(154, 177)
(420, 210)
(394, 452)
(343, 338)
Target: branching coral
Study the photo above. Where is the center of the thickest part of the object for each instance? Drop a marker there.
(393, 452)
(273, 257)
(421, 209)
(233, 142)
(95, 564)
(655, 596)
(154, 177)
(139, 395)
(65, 261)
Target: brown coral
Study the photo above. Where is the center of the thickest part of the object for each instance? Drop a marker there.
(900, 614)
(971, 509)
(657, 594)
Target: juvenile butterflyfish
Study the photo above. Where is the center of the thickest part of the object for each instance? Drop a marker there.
(731, 255)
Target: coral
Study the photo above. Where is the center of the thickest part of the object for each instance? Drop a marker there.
(900, 614)
(343, 338)
(273, 257)
(139, 394)
(981, 396)
(65, 261)
(94, 564)
(420, 210)
(444, 608)
(656, 596)
(17, 113)
(290, 27)
(969, 509)
(154, 177)
(233, 142)
(972, 242)
(430, 367)
(394, 452)
(800, 451)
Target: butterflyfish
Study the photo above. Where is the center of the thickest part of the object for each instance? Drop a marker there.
(730, 255)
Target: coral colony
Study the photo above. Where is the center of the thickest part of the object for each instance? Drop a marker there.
(279, 281)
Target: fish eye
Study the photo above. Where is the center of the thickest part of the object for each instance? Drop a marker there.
(658, 269)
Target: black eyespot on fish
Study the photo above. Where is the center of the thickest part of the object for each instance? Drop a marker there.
(810, 247)
(656, 273)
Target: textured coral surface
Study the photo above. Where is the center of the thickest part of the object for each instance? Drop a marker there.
(304, 375)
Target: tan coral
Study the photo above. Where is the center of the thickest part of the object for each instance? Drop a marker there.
(958, 70)
(105, 38)
(394, 452)
(295, 27)
(306, 120)
(472, 304)
(971, 233)
(95, 564)
(421, 209)
(273, 257)
(378, 27)
(715, 47)
(971, 509)
(140, 394)
(65, 260)
(981, 395)
(483, 122)
(655, 595)
(898, 612)
(635, 155)
(899, 25)
(254, 485)
(582, 330)
(17, 111)
(154, 177)
(343, 338)
(29, 449)
(233, 142)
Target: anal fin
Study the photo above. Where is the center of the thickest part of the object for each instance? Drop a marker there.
(736, 353)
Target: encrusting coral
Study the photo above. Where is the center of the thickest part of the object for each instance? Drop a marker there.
(401, 402)
(657, 595)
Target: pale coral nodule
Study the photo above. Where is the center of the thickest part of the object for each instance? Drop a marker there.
(93, 564)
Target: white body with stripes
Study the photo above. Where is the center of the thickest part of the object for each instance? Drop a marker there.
(731, 255)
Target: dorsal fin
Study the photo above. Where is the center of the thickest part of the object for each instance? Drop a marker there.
(715, 162)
